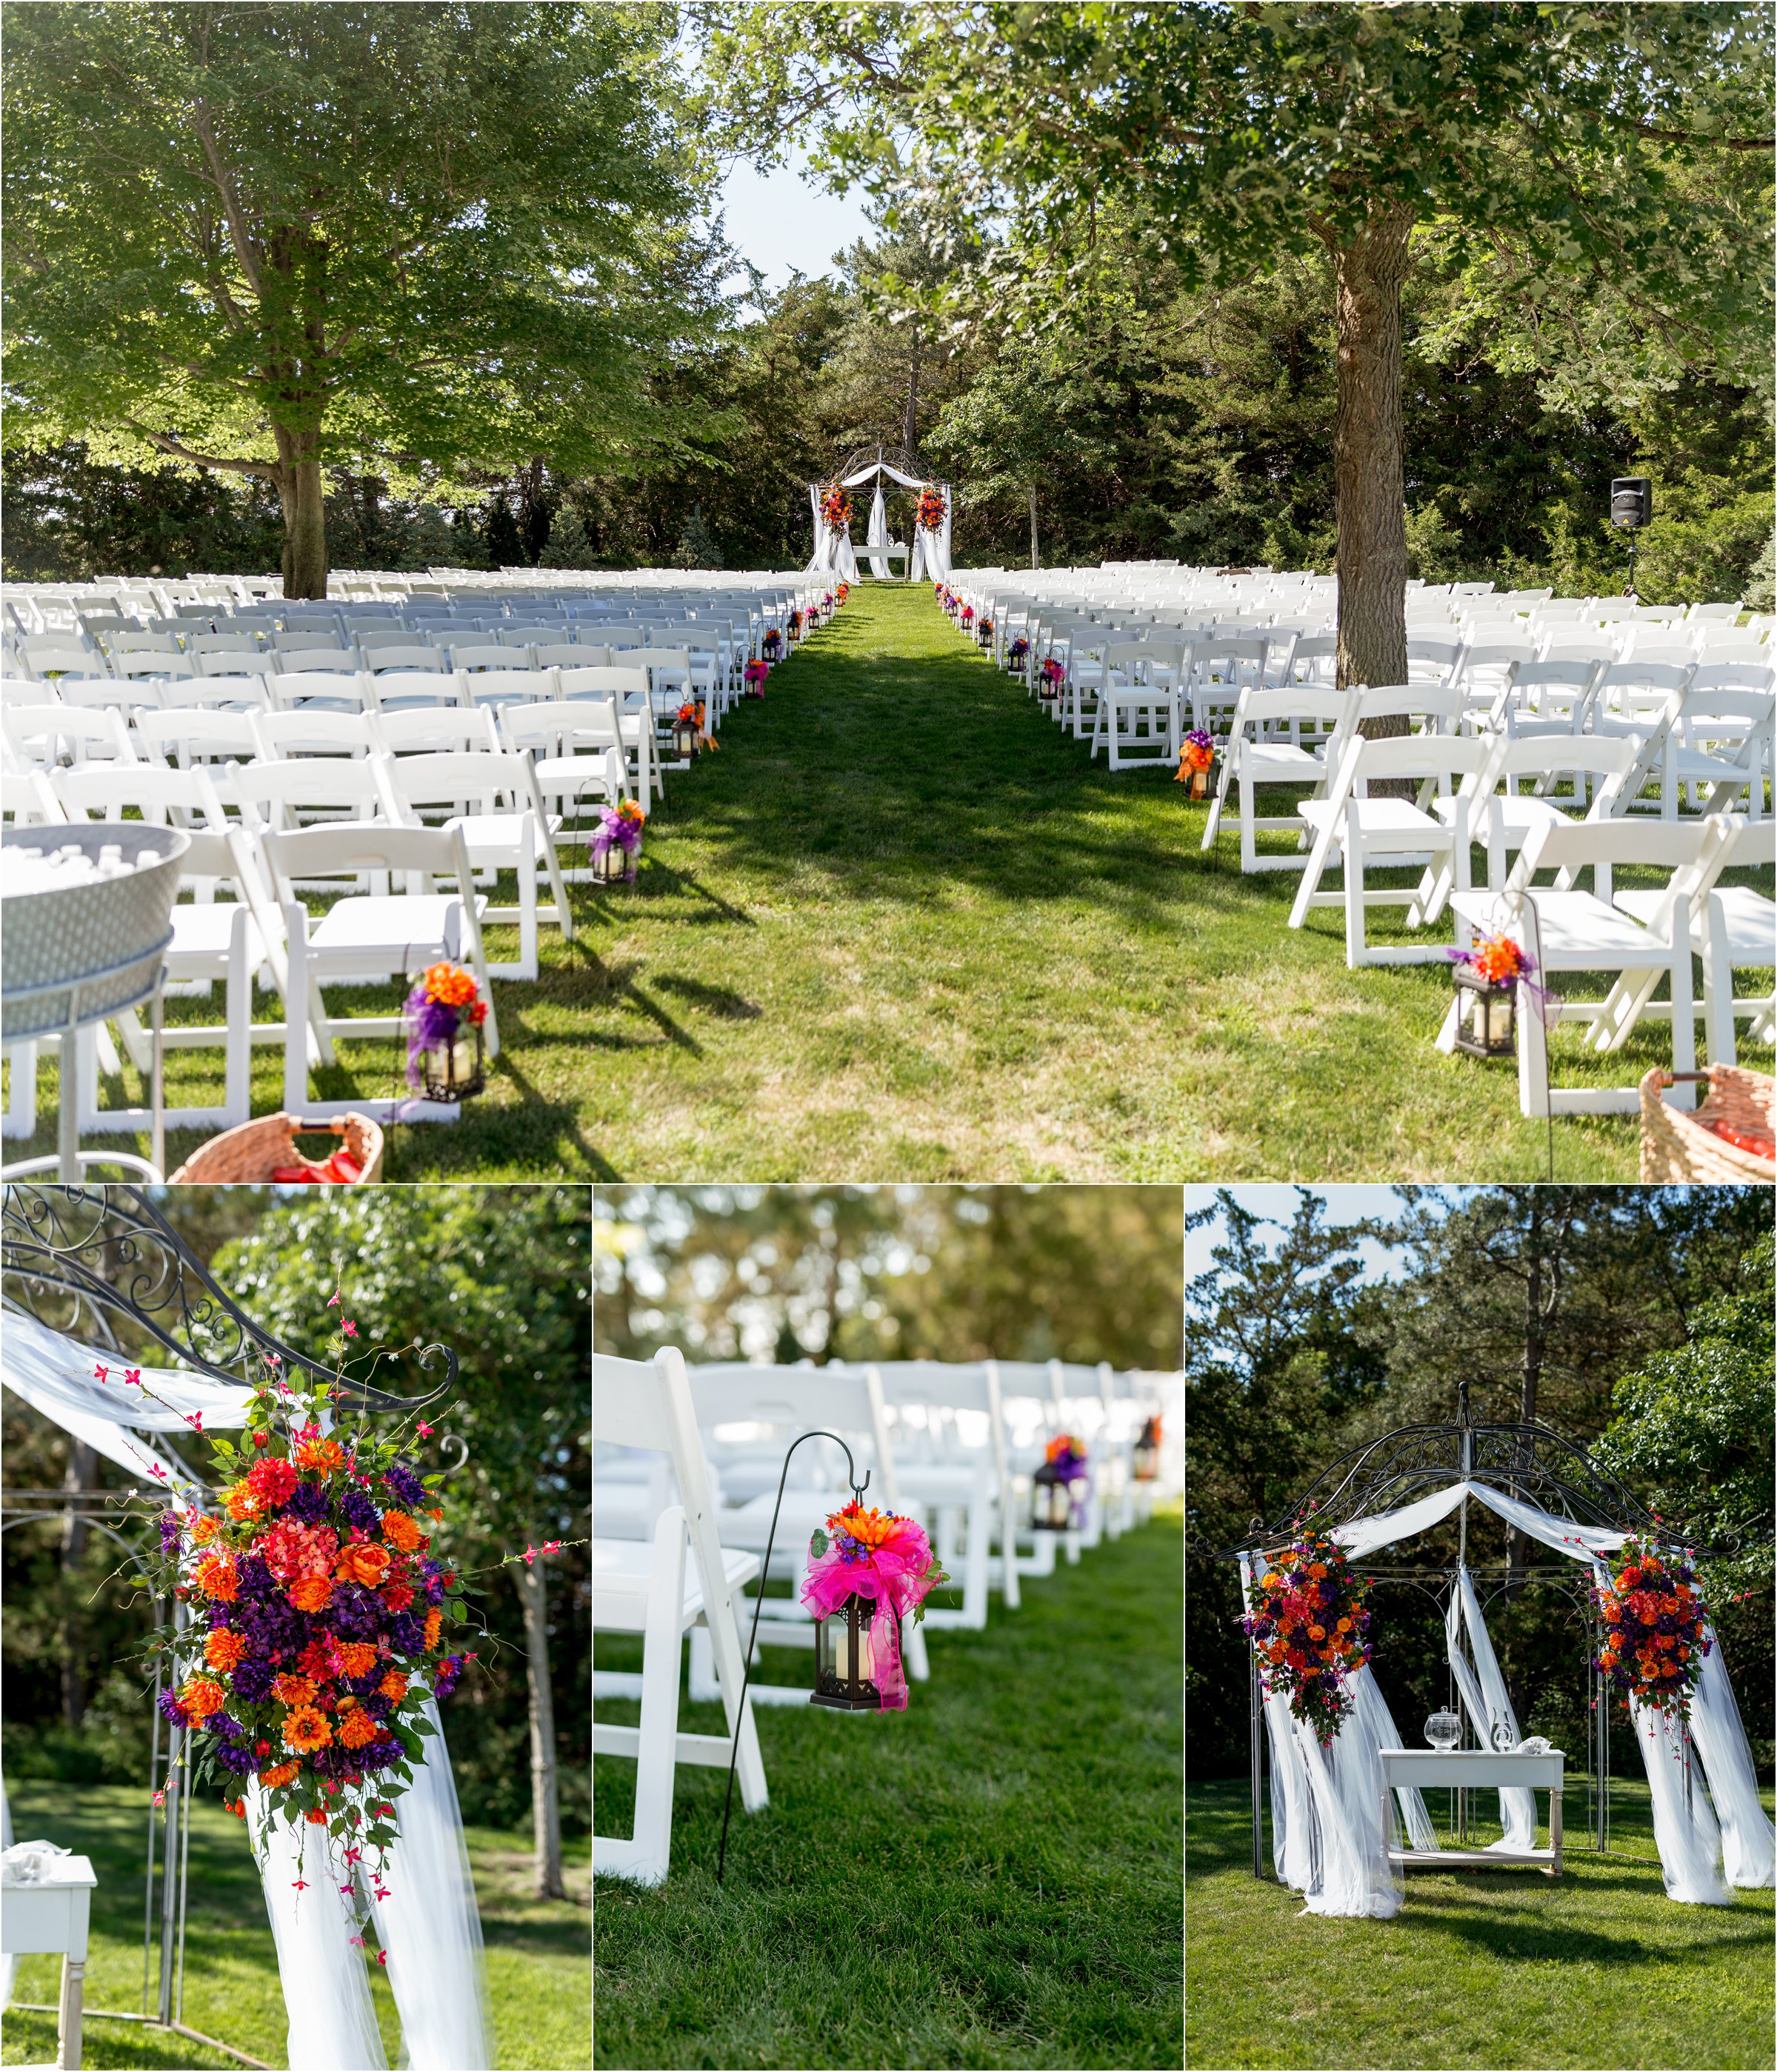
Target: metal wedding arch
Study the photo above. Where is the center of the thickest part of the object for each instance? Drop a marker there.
(1527, 1461)
(103, 1263)
(834, 553)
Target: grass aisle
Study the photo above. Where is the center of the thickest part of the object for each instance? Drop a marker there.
(990, 1878)
(901, 927)
(1596, 1968)
(536, 1949)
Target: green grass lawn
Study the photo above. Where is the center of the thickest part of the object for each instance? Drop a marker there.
(536, 1950)
(900, 926)
(990, 1878)
(1596, 1968)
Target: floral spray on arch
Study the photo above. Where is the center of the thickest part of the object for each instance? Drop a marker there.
(320, 1610)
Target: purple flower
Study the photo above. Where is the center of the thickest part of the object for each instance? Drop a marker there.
(171, 1532)
(252, 1681)
(309, 1504)
(229, 1730)
(405, 1484)
(450, 1674)
(171, 1709)
(236, 1756)
(378, 1707)
(358, 1510)
(406, 1634)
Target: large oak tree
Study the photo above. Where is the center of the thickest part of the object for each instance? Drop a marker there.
(261, 237)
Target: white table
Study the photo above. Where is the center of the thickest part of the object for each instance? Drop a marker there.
(1474, 1769)
(37, 1920)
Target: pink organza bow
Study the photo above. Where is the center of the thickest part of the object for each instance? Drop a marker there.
(896, 1577)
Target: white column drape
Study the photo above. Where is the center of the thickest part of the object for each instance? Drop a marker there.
(878, 535)
(430, 1925)
(1489, 1705)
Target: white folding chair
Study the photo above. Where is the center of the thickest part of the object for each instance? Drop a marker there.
(644, 1589)
(948, 1433)
(1572, 930)
(1265, 746)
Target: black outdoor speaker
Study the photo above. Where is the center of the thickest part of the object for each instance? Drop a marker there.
(1631, 500)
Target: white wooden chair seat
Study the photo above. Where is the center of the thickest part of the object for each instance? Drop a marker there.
(1378, 817)
(366, 923)
(620, 1571)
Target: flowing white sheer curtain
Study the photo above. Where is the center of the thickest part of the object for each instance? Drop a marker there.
(433, 1931)
(1489, 1705)
(1748, 1843)
(878, 535)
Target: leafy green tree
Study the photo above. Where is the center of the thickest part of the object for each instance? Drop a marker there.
(264, 238)
(1237, 134)
(502, 1275)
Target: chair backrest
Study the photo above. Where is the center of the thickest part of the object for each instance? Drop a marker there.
(1713, 676)
(330, 690)
(597, 682)
(647, 1405)
(436, 729)
(456, 777)
(571, 655)
(222, 643)
(1752, 845)
(160, 797)
(1439, 705)
(1364, 761)
(273, 793)
(38, 733)
(495, 688)
(565, 727)
(192, 733)
(803, 1399)
(396, 654)
(944, 1394)
(485, 655)
(28, 798)
(1688, 849)
(283, 733)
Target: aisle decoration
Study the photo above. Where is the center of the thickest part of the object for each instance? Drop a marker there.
(796, 623)
(1052, 676)
(835, 506)
(773, 642)
(1145, 1454)
(1307, 1627)
(984, 632)
(1655, 1617)
(1487, 977)
(1055, 1502)
(755, 673)
(931, 507)
(843, 592)
(443, 1016)
(866, 1558)
(1019, 649)
(616, 844)
(1196, 760)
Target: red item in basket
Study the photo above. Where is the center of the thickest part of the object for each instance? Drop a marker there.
(291, 1176)
(343, 1166)
(1761, 1147)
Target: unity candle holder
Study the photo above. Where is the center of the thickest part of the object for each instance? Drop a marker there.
(1487, 1014)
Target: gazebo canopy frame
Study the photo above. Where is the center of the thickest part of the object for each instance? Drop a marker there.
(104, 1263)
(1525, 1460)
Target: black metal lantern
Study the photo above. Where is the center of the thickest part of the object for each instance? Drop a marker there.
(1051, 1501)
(685, 738)
(455, 1069)
(844, 1658)
(1144, 1456)
(1487, 1014)
(612, 865)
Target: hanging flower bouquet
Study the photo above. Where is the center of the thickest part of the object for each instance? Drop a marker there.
(967, 617)
(1196, 760)
(836, 508)
(1500, 961)
(886, 1560)
(619, 828)
(772, 643)
(795, 624)
(843, 592)
(983, 632)
(1067, 1455)
(1655, 1644)
(445, 1002)
(755, 673)
(1307, 1626)
(1053, 675)
(931, 507)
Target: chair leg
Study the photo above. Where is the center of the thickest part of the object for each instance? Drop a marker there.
(975, 1575)
(237, 998)
(1718, 985)
(1684, 1014)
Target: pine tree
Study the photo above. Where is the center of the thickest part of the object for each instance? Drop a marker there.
(697, 549)
(505, 550)
(568, 545)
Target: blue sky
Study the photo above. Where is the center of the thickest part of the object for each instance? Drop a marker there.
(782, 222)
(1345, 1205)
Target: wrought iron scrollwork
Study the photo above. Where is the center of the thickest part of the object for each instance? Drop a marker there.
(88, 1260)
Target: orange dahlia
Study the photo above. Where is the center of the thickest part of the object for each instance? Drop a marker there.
(324, 1454)
(215, 1578)
(204, 1529)
(293, 1690)
(357, 1728)
(279, 1774)
(400, 1531)
(394, 1686)
(241, 1502)
(312, 1594)
(203, 1695)
(307, 1729)
(434, 1624)
(357, 1658)
(223, 1649)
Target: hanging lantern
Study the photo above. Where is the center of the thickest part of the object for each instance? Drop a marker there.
(685, 734)
(441, 1020)
(455, 1069)
(844, 1658)
(1051, 1502)
(1144, 1456)
(1486, 978)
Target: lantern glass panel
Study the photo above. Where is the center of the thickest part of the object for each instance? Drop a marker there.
(454, 1070)
(1486, 1016)
(1051, 1507)
(844, 1658)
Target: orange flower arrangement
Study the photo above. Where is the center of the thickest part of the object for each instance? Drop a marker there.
(450, 985)
(215, 1575)
(312, 1594)
(204, 1529)
(434, 1626)
(357, 1658)
(400, 1531)
(325, 1454)
(242, 1504)
(394, 1686)
(869, 1528)
(278, 1775)
(1655, 1639)
(293, 1691)
(306, 1730)
(223, 1649)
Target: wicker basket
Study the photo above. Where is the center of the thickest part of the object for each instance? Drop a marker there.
(1676, 1145)
(250, 1154)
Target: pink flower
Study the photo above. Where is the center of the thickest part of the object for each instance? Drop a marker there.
(299, 1885)
(133, 1373)
(160, 1798)
(333, 1299)
(351, 1329)
(196, 1420)
(424, 1430)
(157, 1472)
(101, 1372)
(382, 1956)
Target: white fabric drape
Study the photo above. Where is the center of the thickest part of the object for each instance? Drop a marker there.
(430, 1924)
(1748, 1843)
(1489, 1705)
(878, 535)
(832, 548)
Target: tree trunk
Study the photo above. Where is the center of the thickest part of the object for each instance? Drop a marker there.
(911, 427)
(75, 1482)
(1530, 1372)
(1035, 562)
(1367, 458)
(545, 1804)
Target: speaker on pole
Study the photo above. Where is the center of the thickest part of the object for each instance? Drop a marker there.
(1632, 506)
